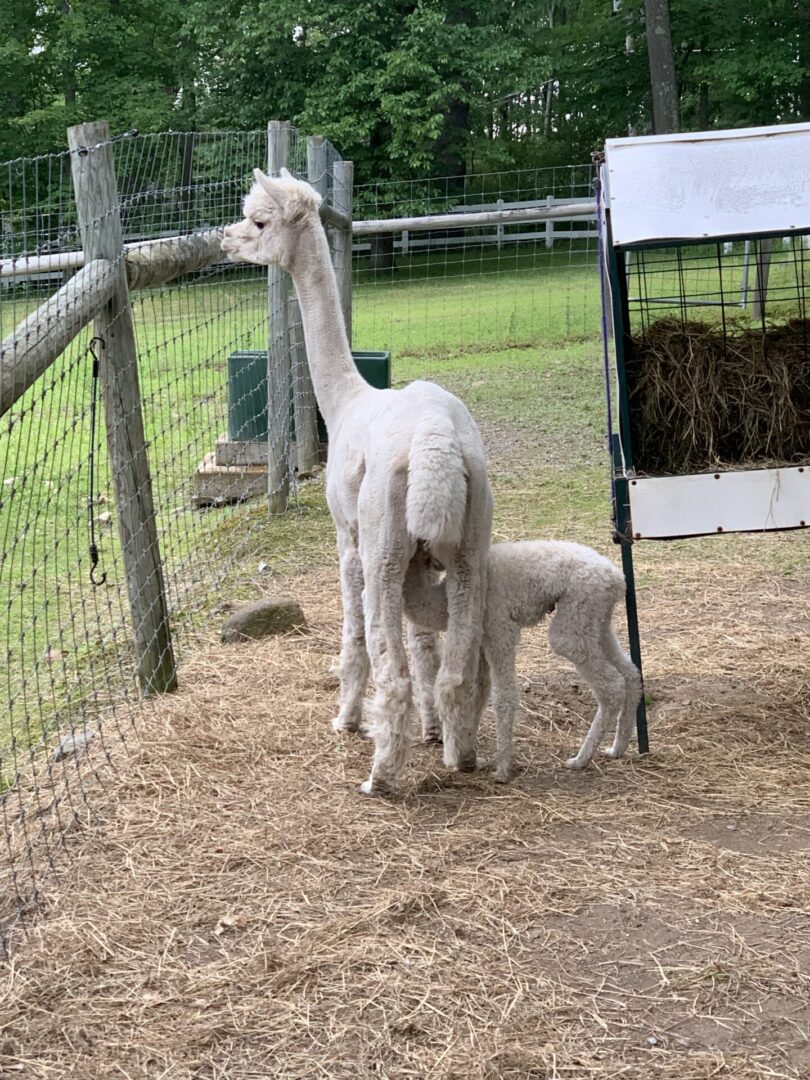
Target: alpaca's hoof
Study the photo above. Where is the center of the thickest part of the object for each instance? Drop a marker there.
(612, 752)
(470, 764)
(575, 763)
(432, 738)
(375, 787)
(501, 775)
(339, 724)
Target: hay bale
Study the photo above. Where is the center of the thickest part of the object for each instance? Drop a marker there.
(703, 397)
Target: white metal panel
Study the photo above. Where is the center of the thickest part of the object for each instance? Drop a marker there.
(709, 184)
(720, 502)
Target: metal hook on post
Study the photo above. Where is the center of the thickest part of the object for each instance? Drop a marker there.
(92, 462)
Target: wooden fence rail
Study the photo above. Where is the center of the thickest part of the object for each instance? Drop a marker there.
(45, 334)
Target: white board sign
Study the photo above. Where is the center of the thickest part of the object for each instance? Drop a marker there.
(709, 184)
(761, 499)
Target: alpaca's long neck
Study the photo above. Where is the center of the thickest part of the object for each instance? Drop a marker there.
(334, 376)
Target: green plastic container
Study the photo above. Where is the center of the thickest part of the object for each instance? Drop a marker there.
(247, 391)
(247, 396)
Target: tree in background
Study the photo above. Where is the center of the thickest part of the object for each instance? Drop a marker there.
(403, 87)
(73, 60)
(741, 63)
(663, 84)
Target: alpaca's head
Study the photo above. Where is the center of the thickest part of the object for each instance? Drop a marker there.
(276, 211)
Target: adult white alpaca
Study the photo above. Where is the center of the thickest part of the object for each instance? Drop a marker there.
(405, 467)
(526, 581)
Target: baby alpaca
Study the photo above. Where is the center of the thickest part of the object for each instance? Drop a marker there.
(525, 581)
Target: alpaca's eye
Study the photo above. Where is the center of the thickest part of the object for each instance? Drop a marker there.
(260, 224)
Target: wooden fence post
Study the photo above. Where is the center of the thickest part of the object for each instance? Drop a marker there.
(96, 194)
(342, 250)
(278, 353)
(305, 407)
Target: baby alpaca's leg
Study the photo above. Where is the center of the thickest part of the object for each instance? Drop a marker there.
(575, 635)
(424, 649)
(500, 659)
(633, 691)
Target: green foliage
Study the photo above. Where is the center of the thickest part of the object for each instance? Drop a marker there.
(68, 61)
(402, 87)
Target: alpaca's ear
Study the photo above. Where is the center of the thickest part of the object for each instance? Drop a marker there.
(286, 174)
(269, 186)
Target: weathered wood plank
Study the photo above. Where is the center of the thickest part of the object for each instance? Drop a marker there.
(471, 221)
(100, 224)
(27, 352)
(278, 355)
(305, 407)
(156, 262)
(342, 242)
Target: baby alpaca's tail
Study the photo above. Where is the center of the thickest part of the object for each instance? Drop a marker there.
(437, 483)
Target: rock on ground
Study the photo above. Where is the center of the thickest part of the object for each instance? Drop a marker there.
(263, 618)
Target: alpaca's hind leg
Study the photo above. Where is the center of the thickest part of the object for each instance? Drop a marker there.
(633, 691)
(465, 582)
(575, 635)
(456, 683)
(424, 648)
(353, 667)
(386, 550)
(500, 662)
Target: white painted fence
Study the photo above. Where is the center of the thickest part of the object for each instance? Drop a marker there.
(554, 228)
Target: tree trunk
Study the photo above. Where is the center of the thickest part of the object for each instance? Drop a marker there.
(186, 193)
(662, 67)
(382, 252)
(703, 106)
(803, 20)
(450, 149)
(549, 104)
(68, 70)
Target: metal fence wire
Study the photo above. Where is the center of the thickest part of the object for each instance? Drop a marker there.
(134, 444)
(74, 687)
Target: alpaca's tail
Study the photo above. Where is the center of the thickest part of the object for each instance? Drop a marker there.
(437, 483)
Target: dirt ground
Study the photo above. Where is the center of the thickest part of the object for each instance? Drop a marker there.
(235, 909)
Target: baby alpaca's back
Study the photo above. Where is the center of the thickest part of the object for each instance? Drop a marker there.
(527, 578)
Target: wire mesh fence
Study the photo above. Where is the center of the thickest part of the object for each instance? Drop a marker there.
(75, 630)
(89, 586)
(502, 284)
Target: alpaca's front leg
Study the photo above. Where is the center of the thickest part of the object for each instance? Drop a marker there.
(424, 648)
(353, 667)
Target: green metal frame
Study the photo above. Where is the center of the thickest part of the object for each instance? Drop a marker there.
(621, 451)
(621, 448)
(622, 526)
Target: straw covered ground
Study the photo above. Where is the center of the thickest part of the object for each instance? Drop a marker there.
(235, 909)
